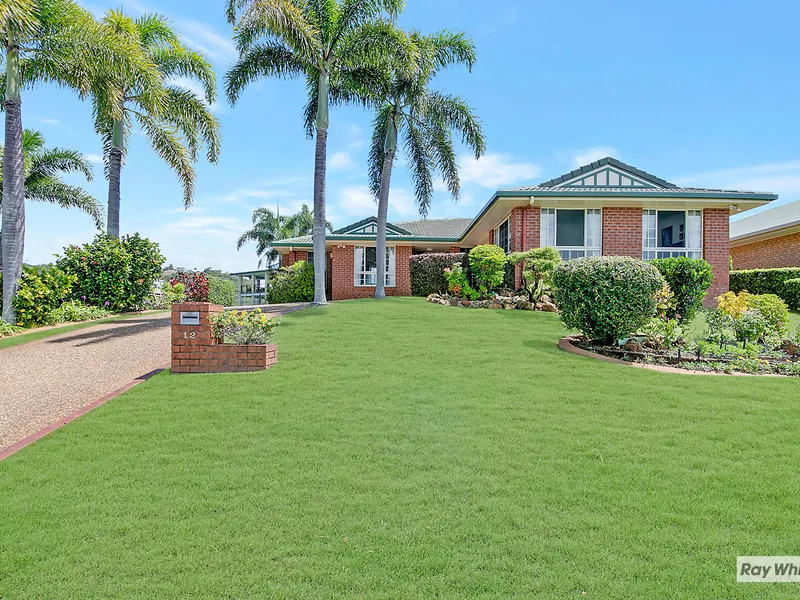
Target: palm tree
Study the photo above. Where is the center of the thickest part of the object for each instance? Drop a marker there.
(269, 226)
(42, 177)
(336, 45)
(174, 119)
(426, 119)
(53, 41)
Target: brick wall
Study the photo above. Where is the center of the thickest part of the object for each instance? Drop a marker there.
(288, 259)
(195, 351)
(783, 251)
(716, 237)
(342, 274)
(524, 225)
(622, 232)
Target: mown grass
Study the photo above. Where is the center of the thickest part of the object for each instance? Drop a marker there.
(46, 332)
(405, 450)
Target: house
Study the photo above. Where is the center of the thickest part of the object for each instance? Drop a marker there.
(769, 239)
(604, 208)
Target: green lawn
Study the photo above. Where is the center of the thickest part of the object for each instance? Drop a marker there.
(46, 332)
(405, 450)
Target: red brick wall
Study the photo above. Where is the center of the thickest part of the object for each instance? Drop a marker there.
(288, 259)
(716, 237)
(195, 351)
(783, 251)
(342, 273)
(524, 223)
(622, 232)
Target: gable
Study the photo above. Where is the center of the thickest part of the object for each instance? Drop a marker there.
(607, 176)
(369, 226)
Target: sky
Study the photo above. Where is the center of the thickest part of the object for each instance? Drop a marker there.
(698, 93)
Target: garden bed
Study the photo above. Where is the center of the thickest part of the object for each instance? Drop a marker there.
(497, 301)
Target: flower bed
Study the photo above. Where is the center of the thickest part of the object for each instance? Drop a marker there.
(498, 301)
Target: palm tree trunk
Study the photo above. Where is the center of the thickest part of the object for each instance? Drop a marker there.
(114, 175)
(13, 208)
(320, 165)
(383, 209)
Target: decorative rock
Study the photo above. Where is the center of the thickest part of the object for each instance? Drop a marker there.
(433, 297)
(632, 346)
(495, 304)
(548, 307)
(546, 298)
(523, 305)
(453, 301)
(466, 302)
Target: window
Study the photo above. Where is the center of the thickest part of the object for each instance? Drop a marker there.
(502, 237)
(668, 233)
(365, 266)
(574, 233)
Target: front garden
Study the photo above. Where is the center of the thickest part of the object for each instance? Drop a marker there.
(406, 450)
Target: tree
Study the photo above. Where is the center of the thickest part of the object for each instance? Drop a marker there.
(269, 226)
(175, 120)
(43, 183)
(538, 264)
(53, 41)
(426, 120)
(336, 45)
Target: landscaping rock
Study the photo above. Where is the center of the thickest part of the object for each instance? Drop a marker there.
(466, 302)
(523, 305)
(453, 301)
(433, 297)
(548, 307)
(546, 298)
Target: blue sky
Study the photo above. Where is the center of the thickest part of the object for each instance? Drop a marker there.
(699, 93)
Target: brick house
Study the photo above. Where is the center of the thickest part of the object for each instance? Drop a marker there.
(604, 208)
(769, 239)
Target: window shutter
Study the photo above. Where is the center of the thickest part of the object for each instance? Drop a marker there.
(390, 270)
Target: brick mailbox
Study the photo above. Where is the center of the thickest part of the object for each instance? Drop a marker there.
(194, 349)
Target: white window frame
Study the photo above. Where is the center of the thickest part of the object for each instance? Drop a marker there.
(507, 223)
(694, 235)
(364, 278)
(592, 233)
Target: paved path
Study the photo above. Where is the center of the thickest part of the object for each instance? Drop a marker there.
(44, 381)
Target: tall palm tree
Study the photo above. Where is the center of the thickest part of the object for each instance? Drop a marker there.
(336, 45)
(269, 226)
(426, 120)
(43, 183)
(174, 119)
(46, 41)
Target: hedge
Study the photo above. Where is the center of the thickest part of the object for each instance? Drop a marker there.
(294, 283)
(766, 281)
(427, 272)
(689, 279)
(221, 291)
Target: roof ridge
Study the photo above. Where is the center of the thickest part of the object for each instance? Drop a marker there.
(608, 160)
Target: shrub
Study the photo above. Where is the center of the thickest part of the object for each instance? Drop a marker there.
(427, 272)
(538, 265)
(791, 293)
(488, 264)
(41, 290)
(292, 284)
(764, 281)
(195, 285)
(689, 279)
(243, 327)
(751, 326)
(221, 291)
(120, 272)
(73, 311)
(458, 283)
(7, 329)
(773, 309)
(607, 298)
(719, 324)
(733, 304)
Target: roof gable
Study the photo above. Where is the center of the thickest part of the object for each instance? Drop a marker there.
(608, 172)
(369, 226)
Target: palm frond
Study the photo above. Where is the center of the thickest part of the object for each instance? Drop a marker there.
(356, 13)
(269, 59)
(49, 163)
(166, 141)
(441, 146)
(278, 20)
(66, 196)
(453, 112)
(156, 30)
(195, 120)
(420, 159)
(178, 61)
(380, 124)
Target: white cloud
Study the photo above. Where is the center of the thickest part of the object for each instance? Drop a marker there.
(589, 155)
(778, 178)
(94, 158)
(357, 201)
(207, 40)
(48, 121)
(208, 225)
(340, 161)
(495, 170)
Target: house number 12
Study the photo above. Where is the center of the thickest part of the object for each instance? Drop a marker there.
(189, 334)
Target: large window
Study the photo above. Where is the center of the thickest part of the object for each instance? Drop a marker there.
(365, 266)
(668, 233)
(502, 237)
(573, 232)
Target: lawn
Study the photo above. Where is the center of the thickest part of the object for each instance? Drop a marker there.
(405, 450)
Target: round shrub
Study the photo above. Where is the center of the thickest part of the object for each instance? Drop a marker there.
(427, 272)
(773, 309)
(41, 291)
(117, 274)
(689, 279)
(294, 283)
(606, 297)
(792, 293)
(488, 266)
(195, 285)
(221, 291)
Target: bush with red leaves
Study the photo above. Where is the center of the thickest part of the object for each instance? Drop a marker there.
(196, 285)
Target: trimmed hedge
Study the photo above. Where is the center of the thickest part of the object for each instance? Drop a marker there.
(791, 295)
(294, 283)
(221, 291)
(427, 272)
(763, 281)
(606, 297)
(689, 279)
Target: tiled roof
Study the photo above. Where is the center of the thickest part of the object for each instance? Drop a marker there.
(436, 228)
(773, 219)
(608, 160)
(628, 190)
(295, 241)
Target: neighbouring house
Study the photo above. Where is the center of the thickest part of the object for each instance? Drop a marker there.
(769, 239)
(604, 208)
